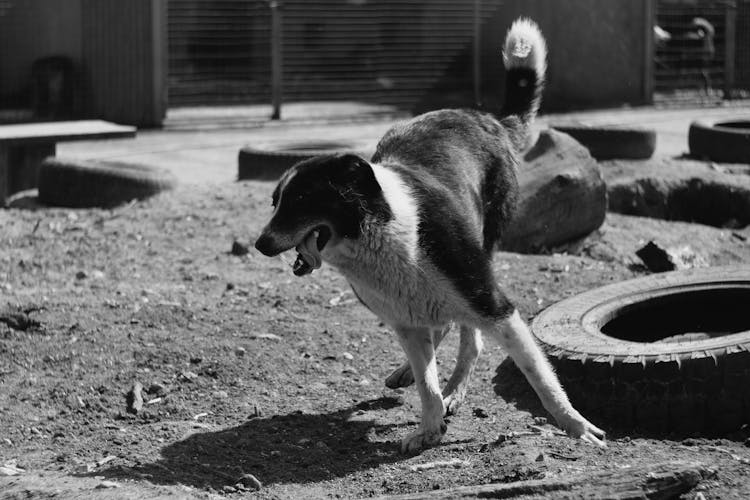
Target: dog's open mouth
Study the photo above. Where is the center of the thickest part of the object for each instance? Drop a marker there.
(308, 252)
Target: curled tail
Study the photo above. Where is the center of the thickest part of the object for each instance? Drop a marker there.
(525, 58)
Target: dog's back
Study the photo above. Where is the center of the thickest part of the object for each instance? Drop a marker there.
(461, 164)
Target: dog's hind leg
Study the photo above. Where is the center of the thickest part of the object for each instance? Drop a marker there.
(469, 348)
(402, 376)
(516, 338)
(417, 343)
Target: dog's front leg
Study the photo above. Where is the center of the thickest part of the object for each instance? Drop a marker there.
(419, 349)
(513, 334)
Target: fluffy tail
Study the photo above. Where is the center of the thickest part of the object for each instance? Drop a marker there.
(525, 58)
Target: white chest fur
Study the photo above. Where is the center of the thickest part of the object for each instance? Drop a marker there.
(387, 270)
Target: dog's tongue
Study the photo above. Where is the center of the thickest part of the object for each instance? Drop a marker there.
(308, 258)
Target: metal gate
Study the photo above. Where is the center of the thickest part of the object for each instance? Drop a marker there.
(386, 52)
(702, 50)
(219, 52)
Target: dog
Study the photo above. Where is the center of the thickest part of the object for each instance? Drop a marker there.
(414, 229)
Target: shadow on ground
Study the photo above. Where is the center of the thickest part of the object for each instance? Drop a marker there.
(294, 448)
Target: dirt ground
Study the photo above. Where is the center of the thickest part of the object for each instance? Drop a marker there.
(250, 370)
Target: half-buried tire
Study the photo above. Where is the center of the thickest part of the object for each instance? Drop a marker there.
(265, 164)
(96, 183)
(725, 141)
(607, 142)
(667, 353)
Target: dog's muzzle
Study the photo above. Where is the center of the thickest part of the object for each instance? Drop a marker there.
(266, 245)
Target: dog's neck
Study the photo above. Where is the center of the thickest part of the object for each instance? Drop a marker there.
(385, 255)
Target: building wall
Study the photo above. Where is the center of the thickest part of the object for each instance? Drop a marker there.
(31, 29)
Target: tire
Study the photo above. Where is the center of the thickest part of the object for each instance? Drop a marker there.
(270, 164)
(95, 183)
(727, 141)
(610, 142)
(608, 348)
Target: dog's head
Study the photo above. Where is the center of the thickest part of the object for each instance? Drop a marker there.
(320, 202)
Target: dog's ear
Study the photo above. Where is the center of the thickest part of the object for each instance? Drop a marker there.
(360, 174)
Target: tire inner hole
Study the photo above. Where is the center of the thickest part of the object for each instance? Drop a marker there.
(693, 315)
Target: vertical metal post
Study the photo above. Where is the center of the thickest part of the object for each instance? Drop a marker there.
(730, 39)
(276, 59)
(649, 50)
(477, 62)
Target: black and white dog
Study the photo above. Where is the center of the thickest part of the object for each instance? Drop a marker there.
(413, 231)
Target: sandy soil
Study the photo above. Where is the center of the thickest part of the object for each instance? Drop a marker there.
(251, 370)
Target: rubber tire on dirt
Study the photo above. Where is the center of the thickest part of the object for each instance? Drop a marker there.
(96, 183)
(270, 164)
(698, 386)
(721, 143)
(613, 142)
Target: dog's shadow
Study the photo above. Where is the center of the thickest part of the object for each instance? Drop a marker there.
(293, 448)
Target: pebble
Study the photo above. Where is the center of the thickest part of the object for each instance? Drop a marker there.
(187, 375)
(240, 248)
(480, 413)
(221, 394)
(347, 355)
(240, 351)
(250, 481)
(134, 399)
(107, 484)
(156, 389)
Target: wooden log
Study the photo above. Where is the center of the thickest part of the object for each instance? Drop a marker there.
(562, 195)
(666, 480)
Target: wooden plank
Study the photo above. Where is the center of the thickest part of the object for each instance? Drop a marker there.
(657, 481)
(50, 132)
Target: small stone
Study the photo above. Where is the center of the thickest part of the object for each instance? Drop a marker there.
(221, 394)
(157, 389)
(134, 399)
(81, 275)
(480, 413)
(196, 360)
(240, 248)
(539, 458)
(229, 489)
(250, 481)
(540, 420)
(188, 375)
(240, 351)
(107, 484)
(347, 355)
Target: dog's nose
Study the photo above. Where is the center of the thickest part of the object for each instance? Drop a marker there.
(265, 245)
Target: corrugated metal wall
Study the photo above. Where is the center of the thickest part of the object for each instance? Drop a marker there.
(124, 60)
(388, 51)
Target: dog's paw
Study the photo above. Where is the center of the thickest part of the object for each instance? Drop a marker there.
(578, 427)
(422, 439)
(401, 377)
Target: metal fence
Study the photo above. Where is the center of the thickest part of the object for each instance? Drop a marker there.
(702, 50)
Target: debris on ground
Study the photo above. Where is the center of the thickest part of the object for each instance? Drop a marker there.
(240, 248)
(660, 259)
(134, 399)
(250, 481)
(439, 464)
